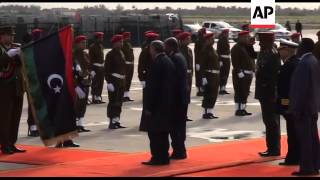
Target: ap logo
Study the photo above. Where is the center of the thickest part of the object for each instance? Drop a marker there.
(262, 13)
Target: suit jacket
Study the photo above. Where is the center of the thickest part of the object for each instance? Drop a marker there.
(304, 89)
(159, 95)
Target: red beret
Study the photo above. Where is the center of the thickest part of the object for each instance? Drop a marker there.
(126, 34)
(295, 35)
(150, 31)
(183, 35)
(98, 34)
(208, 35)
(116, 38)
(202, 30)
(243, 33)
(80, 38)
(37, 30)
(152, 35)
(176, 31)
(225, 31)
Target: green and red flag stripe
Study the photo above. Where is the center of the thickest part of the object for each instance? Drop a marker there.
(48, 68)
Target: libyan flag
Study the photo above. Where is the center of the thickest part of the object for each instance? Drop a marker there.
(49, 80)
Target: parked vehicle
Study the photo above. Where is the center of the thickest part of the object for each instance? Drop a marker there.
(193, 29)
(279, 31)
(218, 26)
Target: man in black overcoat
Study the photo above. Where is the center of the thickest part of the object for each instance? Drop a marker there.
(304, 105)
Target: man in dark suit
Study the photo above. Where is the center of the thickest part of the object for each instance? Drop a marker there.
(304, 105)
(287, 53)
(158, 104)
(181, 98)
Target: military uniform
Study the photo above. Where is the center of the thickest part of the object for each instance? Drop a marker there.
(211, 72)
(115, 70)
(129, 56)
(97, 64)
(197, 60)
(82, 80)
(268, 65)
(223, 50)
(316, 49)
(242, 74)
(11, 95)
(187, 53)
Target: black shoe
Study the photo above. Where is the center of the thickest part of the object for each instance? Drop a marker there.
(288, 164)
(178, 156)
(240, 113)
(189, 119)
(82, 129)
(33, 133)
(209, 116)
(97, 102)
(199, 93)
(126, 99)
(269, 154)
(60, 145)
(17, 150)
(70, 143)
(156, 163)
(305, 173)
(246, 113)
(119, 125)
(7, 150)
(113, 126)
(223, 92)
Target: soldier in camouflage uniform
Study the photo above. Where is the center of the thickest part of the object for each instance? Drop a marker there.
(115, 75)
(128, 53)
(97, 64)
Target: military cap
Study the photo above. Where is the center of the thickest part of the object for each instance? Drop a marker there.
(183, 35)
(98, 34)
(80, 38)
(202, 30)
(242, 33)
(126, 34)
(294, 35)
(150, 31)
(152, 35)
(7, 30)
(287, 44)
(116, 38)
(176, 32)
(225, 30)
(208, 35)
(318, 33)
(36, 32)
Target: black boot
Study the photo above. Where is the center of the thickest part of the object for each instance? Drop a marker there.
(82, 129)
(70, 143)
(34, 133)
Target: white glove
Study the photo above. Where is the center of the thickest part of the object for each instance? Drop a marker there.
(13, 52)
(80, 93)
(221, 63)
(240, 75)
(110, 87)
(93, 74)
(143, 84)
(204, 81)
(197, 67)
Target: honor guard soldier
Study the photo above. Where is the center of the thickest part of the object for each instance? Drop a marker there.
(32, 127)
(128, 53)
(185, 40)
(197, 59)
(287, 51)
(295, 37)
(115, 70)
(82, 79)
(11, 91)
(146, 41)
(268, 66)
(210, 76)
(223, 50)
(316, 50)
(242, 73)
(97, 64)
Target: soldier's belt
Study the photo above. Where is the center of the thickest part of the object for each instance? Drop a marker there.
(285, 102)
(118, 75)
(248, 72)
(189, 71)
(98, 64)
(129, 62)
(213, 71)
(225, 56)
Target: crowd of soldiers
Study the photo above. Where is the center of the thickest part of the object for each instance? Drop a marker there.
(166, 99)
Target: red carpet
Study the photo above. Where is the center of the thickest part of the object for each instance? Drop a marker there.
(201, 158)
(47, 155)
